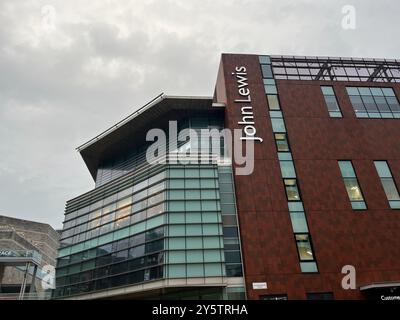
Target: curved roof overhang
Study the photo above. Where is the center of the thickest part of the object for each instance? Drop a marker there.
(133, 129)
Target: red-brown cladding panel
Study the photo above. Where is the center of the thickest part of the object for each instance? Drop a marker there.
(369, 239)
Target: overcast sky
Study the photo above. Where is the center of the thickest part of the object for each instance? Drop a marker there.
(70, 69)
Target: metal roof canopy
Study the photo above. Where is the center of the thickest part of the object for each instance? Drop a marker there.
(380, 285)
(133, 129)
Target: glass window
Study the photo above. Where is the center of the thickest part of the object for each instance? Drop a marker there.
(331, 102)
(299, 222)
(374, 102)
(287, 169)
(154, 246)
(230, 232)
(136, 252)
(213, 269)
(194, 243)
(388, 184)
(266, 71)
(273, 102)
(390, 189)
(195, 270)
(177, 271)
(292, 191)
(232, 257)
(282, 142)
(234, 270)
(278, 125)
(353, 189)
(304, 247)
(212, 242)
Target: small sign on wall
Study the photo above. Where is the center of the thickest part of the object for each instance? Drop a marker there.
(260, 285)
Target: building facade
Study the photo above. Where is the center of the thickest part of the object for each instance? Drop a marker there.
(28, 251)
(320, 203)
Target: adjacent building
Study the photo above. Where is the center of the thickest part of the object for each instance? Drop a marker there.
(319, 203)
(28, 252)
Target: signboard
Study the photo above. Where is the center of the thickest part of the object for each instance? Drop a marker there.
(6, 253)
(260, 285)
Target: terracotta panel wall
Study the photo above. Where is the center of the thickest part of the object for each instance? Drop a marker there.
(369, 239)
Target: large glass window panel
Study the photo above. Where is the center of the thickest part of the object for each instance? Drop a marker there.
(369, 103)
(176, 243)
(177, 257)
(176, 195)
(308, 267)
(137, 240)
(193, 206)
(388, 92)
(357, 104)
(232, 257)
(212, 242)
(383, 169)
(226, 187)
(176, 218)
(211, 229)
(327, 90)
(230, 232)
(194, 256)
(304, 247)
(155, 210)
(140, 185)
(177, 184)
(299, 222)
(364, 91)
(282, 142)
(287, 169)
(194, 230)
(195, 270)
(231, 244)
(234, 270)
(376, 92)
(347, 169)
(353, 189)
(352, 91)
(390, 189)
(209, 205)
(210, 217)
(273, 102)
(382, 104)
(177, 206)
(212, 256)
(154, 246)
(124, 202)
(177, 230)
(107, 218)
(393, 104)
(266, 71)
(109, 208)
(292, 191)
(194, 243)
(177, 271)
(213, 269)
(278, 125)
(155, 234)
(332, 103)
(136, 252)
